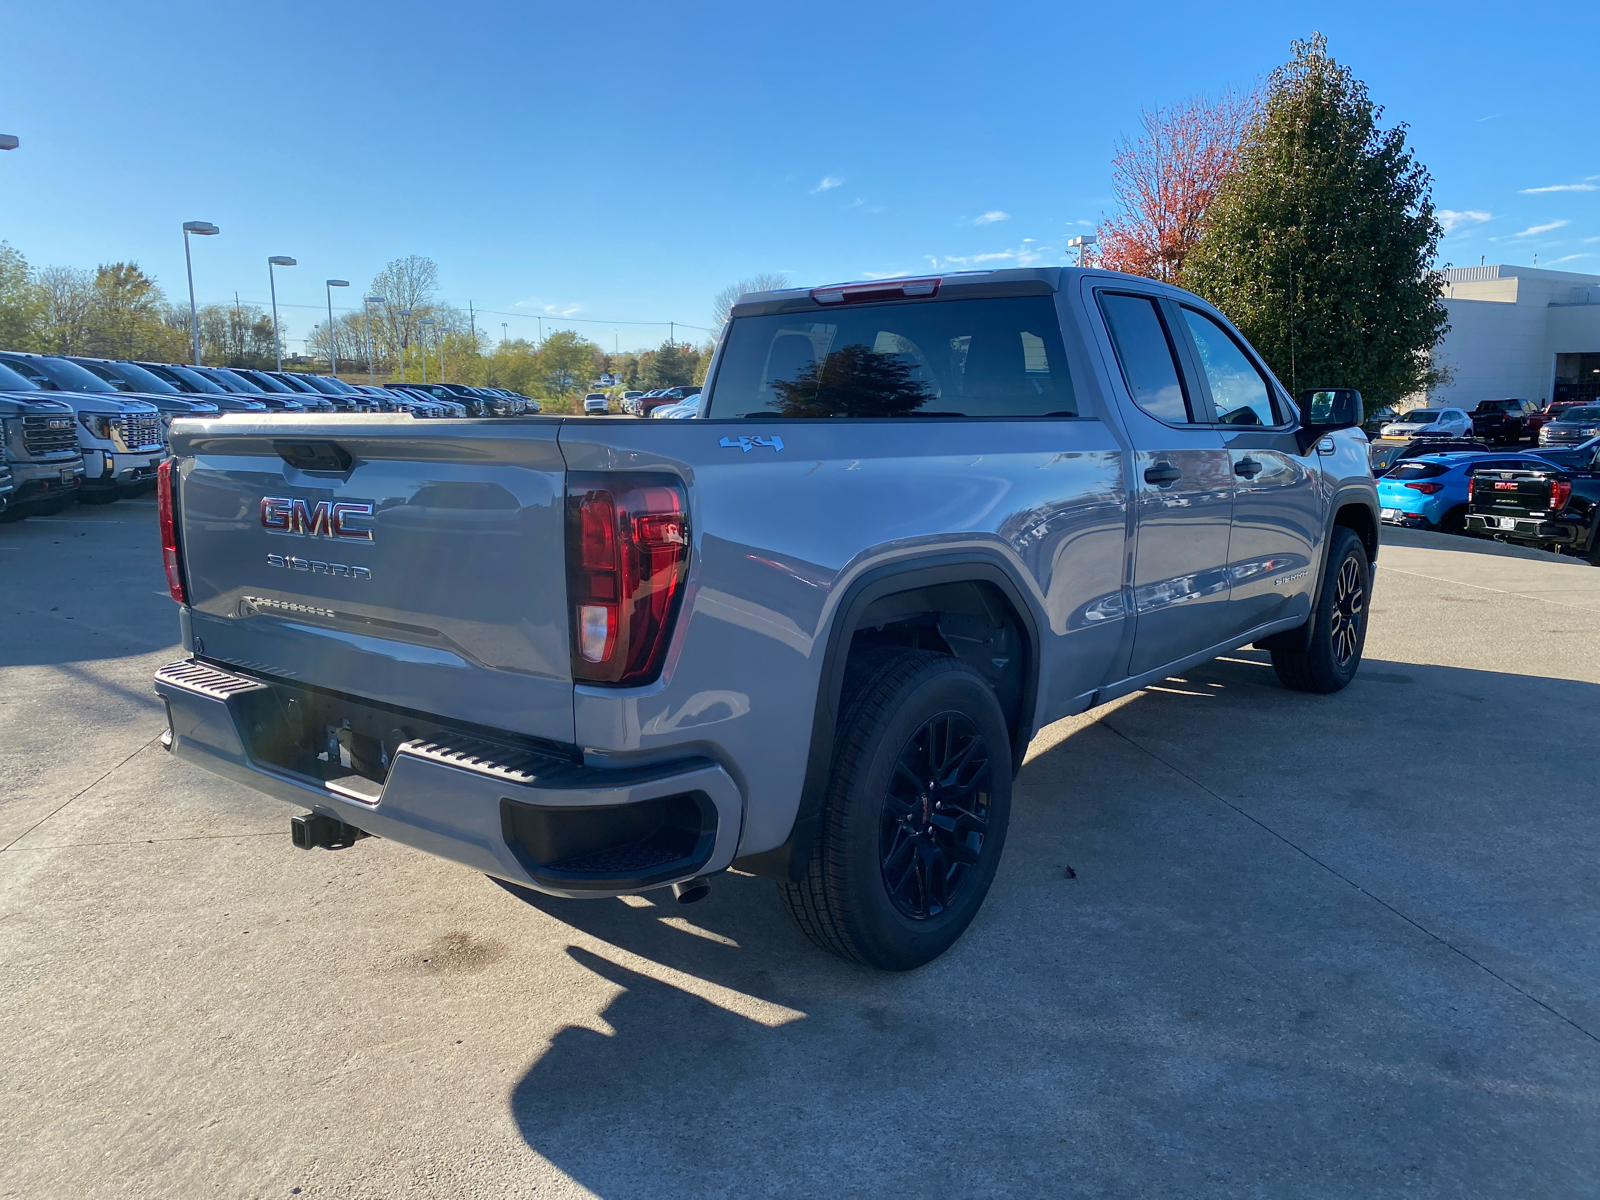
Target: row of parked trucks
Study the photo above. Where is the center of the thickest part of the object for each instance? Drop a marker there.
(92, 430)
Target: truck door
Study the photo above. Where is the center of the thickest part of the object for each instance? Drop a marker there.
(1277, 503)
(1184, 486)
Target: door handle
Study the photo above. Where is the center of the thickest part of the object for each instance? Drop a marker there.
(1162, 474)
(1249, 468)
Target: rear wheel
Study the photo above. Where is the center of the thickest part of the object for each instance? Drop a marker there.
(1454, 521)
(916, 813)
(1339, 627)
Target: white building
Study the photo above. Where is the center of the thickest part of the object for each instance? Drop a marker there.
(1519, 332)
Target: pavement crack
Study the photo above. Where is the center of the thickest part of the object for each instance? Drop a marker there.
(92, 783)
(1336, 873)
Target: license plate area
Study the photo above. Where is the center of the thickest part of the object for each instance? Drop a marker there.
(1390, 514)
(68, 475)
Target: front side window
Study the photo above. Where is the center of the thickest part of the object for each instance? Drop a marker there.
(13, 381)
(1145, 352)
(1238, 389)
(943, 358)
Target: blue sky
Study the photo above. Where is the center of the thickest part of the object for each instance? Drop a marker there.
(623, 162)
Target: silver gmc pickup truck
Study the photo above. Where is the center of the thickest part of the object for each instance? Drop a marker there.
(807, 635)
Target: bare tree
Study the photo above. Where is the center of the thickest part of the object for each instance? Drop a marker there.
(1166, 179)
(405, 284)
(69, 298)
(724, 300)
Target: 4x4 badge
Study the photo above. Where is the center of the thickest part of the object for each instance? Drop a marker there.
(748, 444)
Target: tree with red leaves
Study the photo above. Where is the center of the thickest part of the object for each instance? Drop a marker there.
(1166, 179)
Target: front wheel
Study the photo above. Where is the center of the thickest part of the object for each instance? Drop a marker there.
(1339, 625)
(915, 816)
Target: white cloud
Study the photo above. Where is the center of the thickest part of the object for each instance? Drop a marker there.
(548, 310)
(991, 217)
(1569, 258)
(1562, 187)
(1536, 230)
(884, 274)
(856, 203)
(1453, 220)
(1024, 255)
(829, 182)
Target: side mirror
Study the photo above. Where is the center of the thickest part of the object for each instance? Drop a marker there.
(1327, 410)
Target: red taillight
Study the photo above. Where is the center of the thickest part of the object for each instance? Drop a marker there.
(1427, 489)
(1560, 493)
(883, 289)
(627, 555)
(169, 532)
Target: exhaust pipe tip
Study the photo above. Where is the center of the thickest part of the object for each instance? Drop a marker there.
(691, 890)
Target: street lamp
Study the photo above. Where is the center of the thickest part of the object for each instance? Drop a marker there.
(503, 332)
(444, 333)
(366, 307)
(425, 321)
(400, 333)
(1083, 243)
(277, 260)
(8, 141)
(199, 229)
(333, 346)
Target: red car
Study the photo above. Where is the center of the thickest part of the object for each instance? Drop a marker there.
(651, 401)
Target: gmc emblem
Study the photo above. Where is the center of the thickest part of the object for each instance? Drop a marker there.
(1505, 487)
(282, 514)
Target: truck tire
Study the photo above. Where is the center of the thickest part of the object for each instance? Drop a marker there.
(1339, 628)
(919, 797)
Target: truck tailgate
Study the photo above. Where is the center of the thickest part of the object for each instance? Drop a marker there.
(416, 564)
(1512, 493)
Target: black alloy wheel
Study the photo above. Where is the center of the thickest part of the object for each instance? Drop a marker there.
(915, 815)
(935, 817)
(1328, 658)
(1349, 607)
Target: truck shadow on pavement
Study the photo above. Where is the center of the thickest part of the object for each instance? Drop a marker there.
(1261, 974)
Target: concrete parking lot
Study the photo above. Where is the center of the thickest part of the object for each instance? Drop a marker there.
(1244, 942)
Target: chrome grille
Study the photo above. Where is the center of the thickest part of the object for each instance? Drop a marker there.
(140, 431)
(44, 435)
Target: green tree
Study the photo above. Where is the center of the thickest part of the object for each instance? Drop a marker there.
(21, 304)
(669, 365)
(126, 319)
(1319, 245)
(68, 297)
(566, 363)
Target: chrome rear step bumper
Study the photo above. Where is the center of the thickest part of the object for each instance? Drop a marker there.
(565, 828)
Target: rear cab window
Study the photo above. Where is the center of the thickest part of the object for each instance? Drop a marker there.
(998, 357)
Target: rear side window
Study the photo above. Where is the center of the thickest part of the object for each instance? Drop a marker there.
(941, 358)
(1238, 390)
(1146, 355)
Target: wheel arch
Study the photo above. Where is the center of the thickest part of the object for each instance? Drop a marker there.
(965, 587)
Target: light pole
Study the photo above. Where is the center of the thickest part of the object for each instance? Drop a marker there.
(1083, 243)
(425, 321)
(504, 326)
(333, 345)
(541, 331)
(199, 229)
(8, 141)
(366, 307)
(277, 260)
(400, 334)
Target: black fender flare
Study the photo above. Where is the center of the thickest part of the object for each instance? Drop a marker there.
(789, 861)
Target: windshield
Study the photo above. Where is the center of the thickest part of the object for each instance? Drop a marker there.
(184, 375)
(945, 358)
(1417, 418)
(134, 376)
(1493, 406)
(317, 385)
(11, 381)
(68, 376)
(235, 382)
(1587, 413)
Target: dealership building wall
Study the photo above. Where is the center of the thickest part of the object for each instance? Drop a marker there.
(1519, 332)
